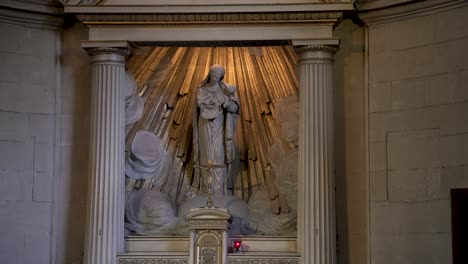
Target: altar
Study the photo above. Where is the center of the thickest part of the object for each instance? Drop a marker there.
(271, 52)
(171, 249)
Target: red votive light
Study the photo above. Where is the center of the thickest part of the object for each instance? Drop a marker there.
(237, 244)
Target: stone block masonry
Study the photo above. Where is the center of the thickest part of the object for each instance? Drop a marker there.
(27, 143)
(418, 134)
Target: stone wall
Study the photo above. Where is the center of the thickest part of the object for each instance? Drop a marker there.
(418, 134)
(74, 150)
(44, 131)
(350, 145)
(417, 138)
(28, 130)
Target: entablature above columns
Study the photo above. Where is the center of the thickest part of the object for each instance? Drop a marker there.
(165, 22)
(203, 6)
(211, 34)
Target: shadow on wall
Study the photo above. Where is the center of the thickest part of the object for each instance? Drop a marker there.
(350, 148)
(75, 137)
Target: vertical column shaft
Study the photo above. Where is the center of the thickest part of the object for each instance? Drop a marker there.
(316, 212)
(105, 213)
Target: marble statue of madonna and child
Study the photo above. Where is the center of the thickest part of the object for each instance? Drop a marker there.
(215, 117)
(214, 123)
(214, 126)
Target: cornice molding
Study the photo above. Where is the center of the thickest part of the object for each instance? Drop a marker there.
(30, 19)
(218, 7)
(384, 11)
(50, 7)
(201, 13)
(364, 5)
(80, 2)
(161, 3)
(183, 19)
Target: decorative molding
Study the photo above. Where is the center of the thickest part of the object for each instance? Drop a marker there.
(322, 18)
(384, 11)
(153, 260)
(208, 8)
(28, 18)
(205, 213)
(311, 48)
(378, 4)
(51, 7)
(160, 244)
(80, 2)
(107, 50)
(232, 260)
(183, 3)
(263, 260)
(208, 223)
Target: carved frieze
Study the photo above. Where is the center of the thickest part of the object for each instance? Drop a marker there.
(80, 2)
(156, 3)
(207, 222)
(260, 260)
(153, 261)
(329, 18)
(232, 260)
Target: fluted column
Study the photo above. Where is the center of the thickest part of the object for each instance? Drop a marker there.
(316, 233)
(105, 213)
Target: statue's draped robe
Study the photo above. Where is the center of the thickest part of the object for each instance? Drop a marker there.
(213, 134)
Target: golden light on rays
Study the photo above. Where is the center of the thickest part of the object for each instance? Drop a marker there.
(167, 79)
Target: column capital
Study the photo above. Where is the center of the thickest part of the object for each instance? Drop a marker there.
(107, 51)
(316, 53)
(332, 49)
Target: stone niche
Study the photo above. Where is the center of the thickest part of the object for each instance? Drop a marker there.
(171, 48)
(263, 186)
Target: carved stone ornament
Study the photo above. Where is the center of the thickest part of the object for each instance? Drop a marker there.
(105, 50)
(208, 223)
(232, 260)
(309, 48)
(153, 261)
(211, 218)
(322, 18)
(80, 2)
(208, 255)
(96, 2)
(263, 260)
